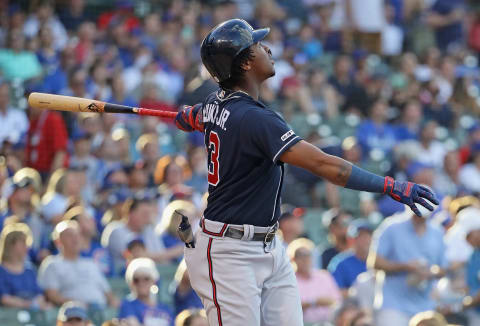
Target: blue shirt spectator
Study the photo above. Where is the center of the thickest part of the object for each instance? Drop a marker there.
(101, 256)
(187, 300)
(449, 31)
(375, 132)
(407, 239)
(23, 285)
(473, 281)
(141, 305)
(345, 267)
(159, 313)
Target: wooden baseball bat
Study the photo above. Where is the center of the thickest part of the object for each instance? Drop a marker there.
(77, 104)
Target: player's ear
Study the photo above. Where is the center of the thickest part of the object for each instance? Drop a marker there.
(246, 66)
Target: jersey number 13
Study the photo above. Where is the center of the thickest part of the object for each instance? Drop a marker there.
(213, 161)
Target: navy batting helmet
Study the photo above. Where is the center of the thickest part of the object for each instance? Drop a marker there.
(224, 43)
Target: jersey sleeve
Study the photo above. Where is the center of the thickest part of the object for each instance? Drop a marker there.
(268, 133)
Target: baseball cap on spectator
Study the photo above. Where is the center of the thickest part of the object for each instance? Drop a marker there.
(144, 266)
(79, 134)
(474, 128)
(331, 216)
(461, 203)
(77, 166)
(289, 211)
(119, 195)
(416, 167)
(107, 183)
(11, 185)
(72, 310)
(469, 219)
(52, 208)
(358, 225)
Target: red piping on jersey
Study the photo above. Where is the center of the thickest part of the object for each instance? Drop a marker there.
(214, 288)
(220, 234)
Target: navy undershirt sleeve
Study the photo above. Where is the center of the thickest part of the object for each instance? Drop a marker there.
(363, 180)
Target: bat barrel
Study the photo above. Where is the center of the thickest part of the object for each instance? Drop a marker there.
(76, 104)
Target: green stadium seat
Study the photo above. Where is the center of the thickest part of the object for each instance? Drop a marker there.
(119, 287)
(167, 274)
(20, 317)
(314, 228)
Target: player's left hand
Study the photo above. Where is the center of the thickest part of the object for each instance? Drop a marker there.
(188, 118)
(410, 193)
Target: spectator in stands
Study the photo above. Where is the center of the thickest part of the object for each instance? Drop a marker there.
(368, 21)
(64, 188)
(13, 122)
(346, 266)
(409, 128)
(291, 223)
(168, 226)
(171, 173)
(470, 172)
(447, 180)
(148, 147)
(428, 318)
(191, 318)
(73, 313)
(141, 307)
(44, 16)
(318, 292)
(376, 132)
(184, 297)
(18, 280)
(137, 224)
(135, 249)
(46, 147)
(411, 251)
(89, 243)
(337, 223)
(470, 227)
(197, 158)
(17, 63)
(73, 15)
(446, 18)
(68, 276)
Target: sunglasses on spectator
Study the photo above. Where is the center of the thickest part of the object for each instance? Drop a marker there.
(137, 280)
(74, 319)
(303, 253)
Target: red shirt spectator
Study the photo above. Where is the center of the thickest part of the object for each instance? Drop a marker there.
(47, 139)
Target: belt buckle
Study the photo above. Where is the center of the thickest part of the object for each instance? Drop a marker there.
(270, 234)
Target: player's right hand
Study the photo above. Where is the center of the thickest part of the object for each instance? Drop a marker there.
(410, 193)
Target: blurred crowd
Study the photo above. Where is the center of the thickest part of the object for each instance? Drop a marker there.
(87, 200)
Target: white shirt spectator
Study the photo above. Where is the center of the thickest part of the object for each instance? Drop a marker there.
(392, 40)
(13, 124)
(470, 177)
(60, 37)
(368, 15)
(433, 155)
(79, 279)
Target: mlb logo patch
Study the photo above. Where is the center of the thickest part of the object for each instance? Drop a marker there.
(286, 135)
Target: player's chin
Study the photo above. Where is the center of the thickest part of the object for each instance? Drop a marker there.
(271, 72)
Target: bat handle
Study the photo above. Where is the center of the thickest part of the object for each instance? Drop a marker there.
(157, 113)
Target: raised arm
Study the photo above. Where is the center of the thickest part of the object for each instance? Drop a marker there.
(342, 173)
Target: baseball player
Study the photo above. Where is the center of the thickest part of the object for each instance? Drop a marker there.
(238, 267)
